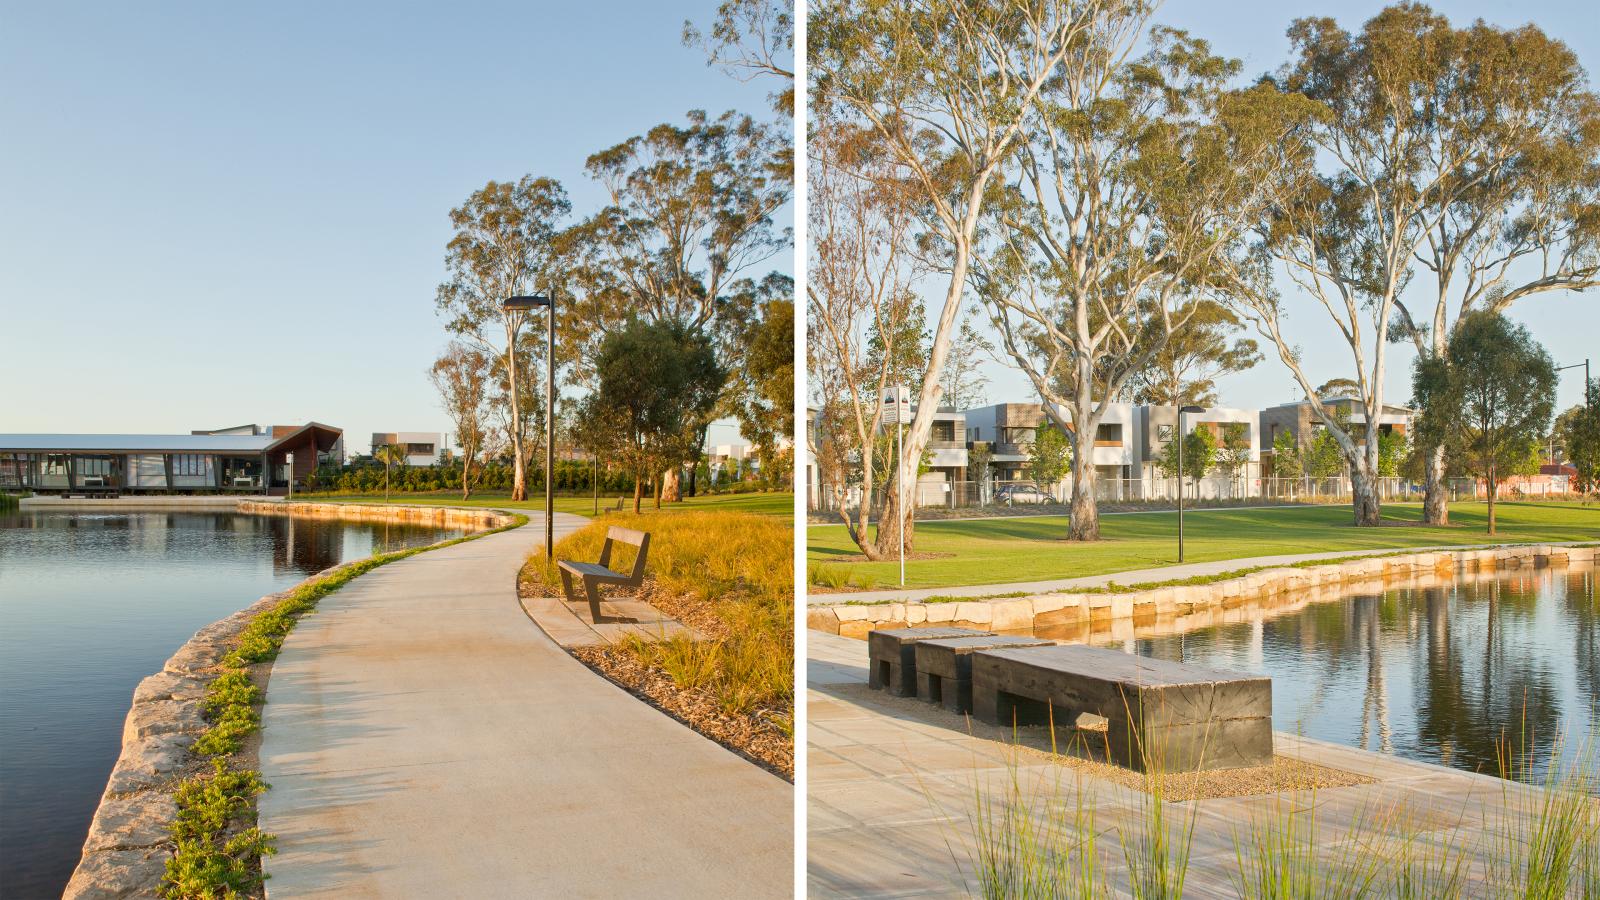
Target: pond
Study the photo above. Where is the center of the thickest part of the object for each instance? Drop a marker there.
(90, 604)
(1457, 671)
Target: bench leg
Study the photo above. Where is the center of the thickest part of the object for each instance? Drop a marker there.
(592, 588)
(566, 586)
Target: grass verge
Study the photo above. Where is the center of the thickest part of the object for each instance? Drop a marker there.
(990, 551)
(729, 576)
(218, 846)
(1112, 587)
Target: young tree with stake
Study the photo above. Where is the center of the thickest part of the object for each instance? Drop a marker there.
(1488, 400)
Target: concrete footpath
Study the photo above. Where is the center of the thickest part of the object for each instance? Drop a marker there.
(423, 738)
(1136, 576)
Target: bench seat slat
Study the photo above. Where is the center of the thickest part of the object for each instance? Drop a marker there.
(592, 569)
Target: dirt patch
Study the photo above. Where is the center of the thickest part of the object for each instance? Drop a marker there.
(1284, 774)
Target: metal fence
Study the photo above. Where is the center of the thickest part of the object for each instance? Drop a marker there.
(1241, 488)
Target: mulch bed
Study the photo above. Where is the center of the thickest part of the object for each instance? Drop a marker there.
(755, 735)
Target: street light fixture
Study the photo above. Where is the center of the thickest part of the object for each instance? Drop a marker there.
(1181, 411)
(526, 303)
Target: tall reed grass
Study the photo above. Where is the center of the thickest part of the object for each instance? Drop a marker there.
(1029, 837)
(736, 570)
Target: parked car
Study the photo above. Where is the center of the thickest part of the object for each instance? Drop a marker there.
(1012, 494)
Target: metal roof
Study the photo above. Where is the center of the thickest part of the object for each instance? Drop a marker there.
(135, 443)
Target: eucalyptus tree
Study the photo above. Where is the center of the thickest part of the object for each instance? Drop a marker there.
(1185, 369)
(690, 218)
(751, 39)
(461, 376)
(861, 305)
(1125, 212)
(505, 241)
(1472, 154)
(945, 85)
(1488, 399)
(1516, 138)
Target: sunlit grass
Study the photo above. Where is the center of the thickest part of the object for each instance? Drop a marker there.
(738, 567)
(1000, 550)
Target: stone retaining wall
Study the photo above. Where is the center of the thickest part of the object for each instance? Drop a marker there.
(129, 844)
(436, 516)
(1042, 612)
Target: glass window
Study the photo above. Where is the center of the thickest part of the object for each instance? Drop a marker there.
(1109, 434)
(419, 449)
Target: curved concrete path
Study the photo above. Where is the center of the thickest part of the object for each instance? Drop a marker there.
(423, 738)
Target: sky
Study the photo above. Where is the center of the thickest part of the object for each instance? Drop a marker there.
(1566, 323)
(217, 214)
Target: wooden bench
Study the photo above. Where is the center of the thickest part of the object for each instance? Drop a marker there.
(891, 656)
(1159, 715)
(944, 666)
(595, 574)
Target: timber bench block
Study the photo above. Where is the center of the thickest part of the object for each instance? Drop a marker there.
(1159, 714)
(944, 666)
(891, 656)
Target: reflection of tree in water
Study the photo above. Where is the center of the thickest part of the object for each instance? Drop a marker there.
(306, 546)
(1582, 602)
(1509, 704)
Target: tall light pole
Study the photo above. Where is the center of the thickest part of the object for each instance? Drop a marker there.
(1181, 411)
(548, 301)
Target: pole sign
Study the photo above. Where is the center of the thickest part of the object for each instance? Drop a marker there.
(896, 406)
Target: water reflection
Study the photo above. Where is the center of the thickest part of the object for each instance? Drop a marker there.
(1480, 672)
(90, 603)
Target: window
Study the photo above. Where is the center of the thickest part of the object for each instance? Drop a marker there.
(1108, 434)
(419, 449)
(192, 464)
(944, 431)
(54, 464)
(94, 465)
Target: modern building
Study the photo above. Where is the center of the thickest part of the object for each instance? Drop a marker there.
(1008, 429)
(1300, 419)
(422, 447)
(244, 459)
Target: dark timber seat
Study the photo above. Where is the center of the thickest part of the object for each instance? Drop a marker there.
(944, 666)
(595, 574)
(892, 660)
(1160, 715)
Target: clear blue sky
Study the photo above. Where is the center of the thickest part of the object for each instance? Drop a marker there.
(219, 213)
(1567, 323)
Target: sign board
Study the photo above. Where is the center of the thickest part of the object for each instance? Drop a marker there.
(896, 406)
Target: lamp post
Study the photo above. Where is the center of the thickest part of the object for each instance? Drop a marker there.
(547, 301)
(1181, 411)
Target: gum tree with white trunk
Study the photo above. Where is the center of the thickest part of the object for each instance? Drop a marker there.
(1128, 206)
(946, 85)
(504, 243)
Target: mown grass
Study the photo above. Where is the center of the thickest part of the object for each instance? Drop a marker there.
(216, 854)
(776, 503)
(740, 567)
(1000, 550)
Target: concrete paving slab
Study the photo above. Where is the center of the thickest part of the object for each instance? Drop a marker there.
(423, 738)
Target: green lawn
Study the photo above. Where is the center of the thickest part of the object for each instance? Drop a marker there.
(1001, 550)
(774, 504)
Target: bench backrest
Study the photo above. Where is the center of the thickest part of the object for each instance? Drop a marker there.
(638, 539)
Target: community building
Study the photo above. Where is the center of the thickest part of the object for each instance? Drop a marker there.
(422, 447)
(246, 459)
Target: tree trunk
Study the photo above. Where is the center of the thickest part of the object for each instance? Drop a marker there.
(638, 491)
(890, 522)
(1085, 523)
(670, 491)
(660, 488)
(1364, 498)
(1436, 496)
(1493, 490)
(694, 472)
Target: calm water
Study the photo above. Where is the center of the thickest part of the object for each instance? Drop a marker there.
(90, 603)
(1443, 674)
